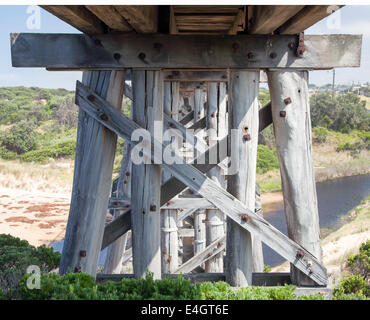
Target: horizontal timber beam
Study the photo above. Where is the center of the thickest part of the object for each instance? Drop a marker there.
(193, 178)
(118, 51)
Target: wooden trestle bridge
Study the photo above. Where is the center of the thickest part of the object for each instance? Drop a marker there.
(199, 68)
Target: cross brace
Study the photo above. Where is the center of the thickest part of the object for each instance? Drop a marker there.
(100, 110)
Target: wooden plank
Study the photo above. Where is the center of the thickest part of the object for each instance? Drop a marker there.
(78, 17)
(268, 18)
(186, 232)
(209, 252)
(185, 213)
(187, 118)
(239, 22)
(169, 235)
(144, 19)
(191, 76)
(294, 149)
(188, 203)
(192, 177)
(243, 117)
(206, 9)
(116, 229)
(93, 168)
(264, 117)
(147, 87)
(216, 129)
(110, 16)
(305, 18)
(167, 51)
(114, 256)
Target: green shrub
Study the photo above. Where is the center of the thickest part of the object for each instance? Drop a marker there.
(320, 134)
(266, 159)
(16, 255)
(354, 287)
(360, 263)
(6, 154)
(266, 268)
(64, 149)
(19, 138)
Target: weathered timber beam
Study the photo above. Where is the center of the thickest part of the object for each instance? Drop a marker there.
(118, 51)
(305, 18)
(209, 252)
(200, 124)
(78, 17)
(143, 19)
(116, 228)
(268, 18)
(185, 213)
(185, 76)
(193, 178)
(188, 203)
(186, 232)
(111, 17)
(264, 117)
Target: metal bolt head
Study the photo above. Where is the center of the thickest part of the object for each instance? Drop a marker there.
(153, 207)
(287, 101)
(141, 56)
(300, 254)
(77, 269)
(244, 217)
(82, 253)
(127, 174)
(282, 114)
(158, 46)
(103, 117)
(273, 55)
(117, 56)
(250, 55)
(247, 137)
(91, 98)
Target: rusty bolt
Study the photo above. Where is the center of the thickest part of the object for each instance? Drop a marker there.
(143, 211)
(169, 259)
(153, 207)
(127, 174)
(287, 100)
(117, 56)
(213, 115)
(223, 76)
(311, 271)
(247, 137)
(283, 114)
(273, 55)
(91, 98)
(235, 46)
(219, 244)
(103, 117)
(77, 269)
(169, 202)
(250, 55)
(291, 45)
(82, 253)
(209, 254)
(141, 56)
(300, 254)
(125, 182)
(244, 217)
(98, 42)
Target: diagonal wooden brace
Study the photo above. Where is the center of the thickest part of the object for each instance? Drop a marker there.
(189, 175)
(208, 253)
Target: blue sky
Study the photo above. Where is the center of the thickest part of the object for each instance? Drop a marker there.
(353, 19)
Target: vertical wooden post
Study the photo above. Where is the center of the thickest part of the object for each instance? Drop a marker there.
(113, 260)
(147, 87)
(199, 216)
(292, 126)
(217, 128)
(169, 234)
(95, 152)
(258, 262)
(243, 117)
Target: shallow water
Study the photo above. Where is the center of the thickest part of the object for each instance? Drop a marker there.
(335, 198)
